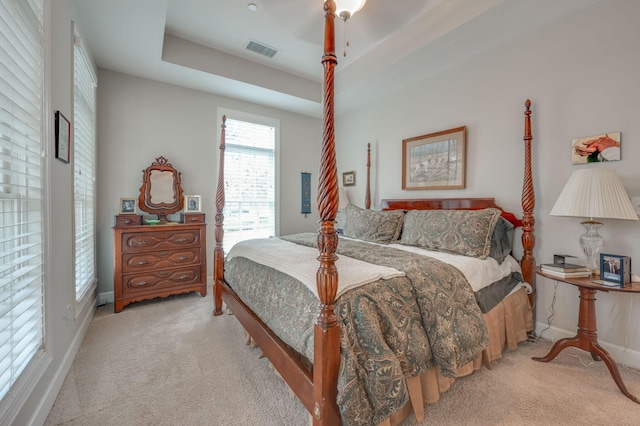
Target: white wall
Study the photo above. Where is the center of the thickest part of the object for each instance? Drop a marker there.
(140, 120)
(581, 74)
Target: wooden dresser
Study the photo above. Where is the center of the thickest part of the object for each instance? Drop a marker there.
(158, 261)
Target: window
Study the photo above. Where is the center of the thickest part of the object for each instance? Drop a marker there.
(84, 88)
(21, 188)
(250, 179)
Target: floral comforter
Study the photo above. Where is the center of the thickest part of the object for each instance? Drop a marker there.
(390, 329)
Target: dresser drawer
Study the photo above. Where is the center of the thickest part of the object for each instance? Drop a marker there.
(160, 260)
(192, 217)
(161, 240)
(153, 282)
(128, 220)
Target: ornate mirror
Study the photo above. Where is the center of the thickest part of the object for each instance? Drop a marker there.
(161, 192)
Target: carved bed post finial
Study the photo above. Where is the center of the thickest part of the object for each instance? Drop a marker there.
(218, 252)
(367, 196)
(528, 204)
(326, 330)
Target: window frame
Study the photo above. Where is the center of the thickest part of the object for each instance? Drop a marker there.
(89, 289)
(262, 120)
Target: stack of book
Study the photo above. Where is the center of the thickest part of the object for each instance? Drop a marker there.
(565, 270)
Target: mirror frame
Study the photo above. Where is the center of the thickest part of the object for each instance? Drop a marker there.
(161, 209)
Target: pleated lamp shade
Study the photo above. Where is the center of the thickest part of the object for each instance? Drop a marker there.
(594, 193)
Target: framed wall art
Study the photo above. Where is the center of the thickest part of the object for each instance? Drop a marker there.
(597, 148)
(127, 206)
(348, 178)
(192, 204)
(305, 196)
(435, 161)
(63, 138)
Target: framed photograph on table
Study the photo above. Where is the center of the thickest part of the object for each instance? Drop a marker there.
(127, 206)
(63, 138)
(435, 161)
(615, 270)
(192, 204)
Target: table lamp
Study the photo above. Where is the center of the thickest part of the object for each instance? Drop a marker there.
(594, 193)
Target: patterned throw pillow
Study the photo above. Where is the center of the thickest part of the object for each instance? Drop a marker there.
(371, 225)
(465, 232)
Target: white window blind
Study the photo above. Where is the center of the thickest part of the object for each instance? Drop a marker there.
(84, 88)
(21, 187)
(249, 175)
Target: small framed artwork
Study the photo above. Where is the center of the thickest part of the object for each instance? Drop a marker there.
(192, 204)
(615, 270)
(305, 208)
(63, 138)
(435, 161)
(348, 178)
(597, 148)
(127, 206)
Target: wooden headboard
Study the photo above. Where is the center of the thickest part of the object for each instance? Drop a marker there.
(449, 204)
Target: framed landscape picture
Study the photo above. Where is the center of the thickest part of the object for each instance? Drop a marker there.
(435, 161)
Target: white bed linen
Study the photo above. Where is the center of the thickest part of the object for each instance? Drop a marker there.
(301, 263)
(479, 272)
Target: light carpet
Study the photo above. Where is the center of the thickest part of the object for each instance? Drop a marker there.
(170, 362)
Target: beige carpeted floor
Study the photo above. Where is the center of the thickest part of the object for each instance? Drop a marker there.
(171, 362)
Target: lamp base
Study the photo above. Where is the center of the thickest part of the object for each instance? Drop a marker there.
(591, 243)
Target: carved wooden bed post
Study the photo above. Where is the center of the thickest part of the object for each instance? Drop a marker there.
(218, 252)
(528, 203)
(326, 330)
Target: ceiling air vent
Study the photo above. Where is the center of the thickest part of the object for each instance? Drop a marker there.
(261, 49)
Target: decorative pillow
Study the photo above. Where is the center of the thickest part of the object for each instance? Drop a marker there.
(465, 232)
(501, 240)
(371, 225)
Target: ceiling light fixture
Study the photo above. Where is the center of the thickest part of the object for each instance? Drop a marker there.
(346, 8)
(252, 7)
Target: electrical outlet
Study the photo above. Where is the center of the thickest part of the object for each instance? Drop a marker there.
(636, 204)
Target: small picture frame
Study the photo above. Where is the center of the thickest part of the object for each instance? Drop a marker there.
(615, 269)
(128, 206)
(192, 204)
(348, 178)
(63, 138)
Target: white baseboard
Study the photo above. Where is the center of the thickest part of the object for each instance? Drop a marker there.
(623, 356)
(104, 298)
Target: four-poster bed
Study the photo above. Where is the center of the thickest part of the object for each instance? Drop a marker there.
(319, 366)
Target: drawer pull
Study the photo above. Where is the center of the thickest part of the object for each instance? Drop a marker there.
(182, 240)
(141, 243)
(194, 219)
(183, 258)
(182, 277)
(140, 284)
(164, 253)
(128, 221)
(142, 262)
(163, 273)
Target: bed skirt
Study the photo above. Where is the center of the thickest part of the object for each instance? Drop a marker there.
(508, 324)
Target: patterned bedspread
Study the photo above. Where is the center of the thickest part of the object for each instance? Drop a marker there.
(390, 329)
